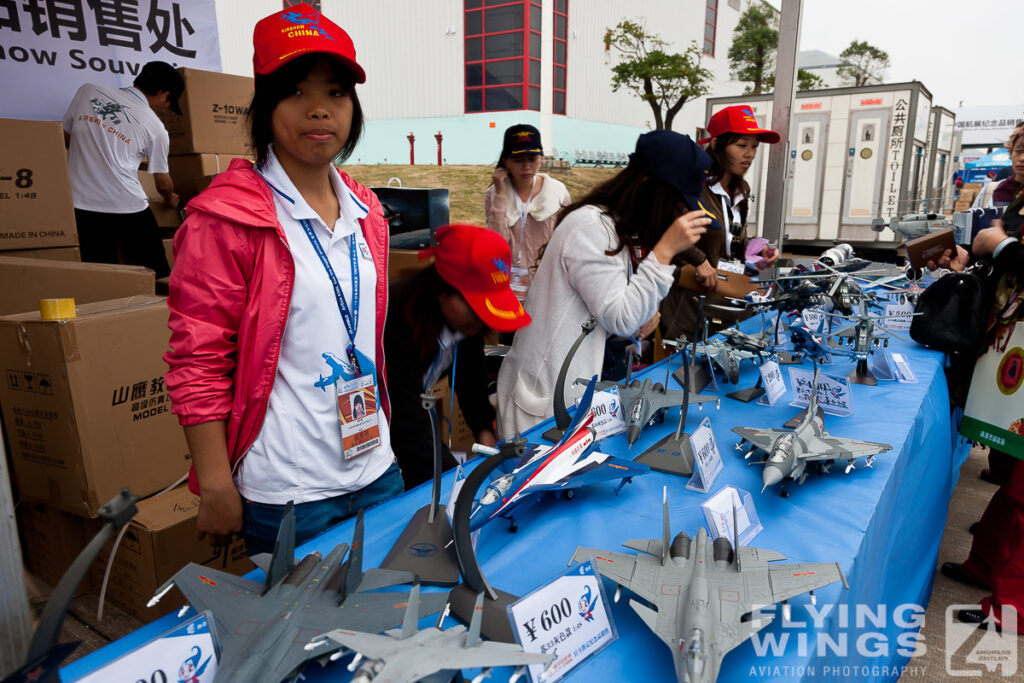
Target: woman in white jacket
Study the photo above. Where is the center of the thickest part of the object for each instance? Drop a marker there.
(522, 205)
(609, 258)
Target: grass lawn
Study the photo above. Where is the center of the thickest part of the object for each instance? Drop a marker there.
(466, 184)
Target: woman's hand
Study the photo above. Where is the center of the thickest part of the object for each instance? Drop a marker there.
(955, 263)
(770, 256)
(681, 235)
(649, 326)
(986, 241)
(707, 276)
(498, 178)
(220, 514)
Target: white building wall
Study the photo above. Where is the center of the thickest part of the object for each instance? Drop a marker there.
(235, 22)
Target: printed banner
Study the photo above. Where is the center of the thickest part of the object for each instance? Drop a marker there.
(50, 48)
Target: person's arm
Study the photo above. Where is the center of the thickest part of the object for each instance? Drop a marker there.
(220, 506)
(495, 204)
(621, 305)
(165, 186)
(471, 386)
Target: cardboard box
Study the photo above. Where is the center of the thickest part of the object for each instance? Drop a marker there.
(51, 540)
(405, 262)
(214, 107)
(192, 173)
(55, 254)
(24, 281)
(160, 540)
(85, 404)
(35, 192)
(166, 215)
(169, 251)
(448, 411)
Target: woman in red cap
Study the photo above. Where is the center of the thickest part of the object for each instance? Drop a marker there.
(732, 145)
(277, 305)
(436, 329)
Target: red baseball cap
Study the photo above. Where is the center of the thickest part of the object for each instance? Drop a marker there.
(297, 31)
(477, 262)
(738, 119)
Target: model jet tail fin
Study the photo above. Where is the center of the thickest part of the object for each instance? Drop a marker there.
(283, 559)
(412, 613)
(473, 634)
(666, 529)
(812, 406)
(354, 577)
(581, 412)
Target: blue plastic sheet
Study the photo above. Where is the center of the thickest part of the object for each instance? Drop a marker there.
(883, 525)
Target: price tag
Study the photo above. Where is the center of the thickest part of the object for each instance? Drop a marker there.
(567, 618)
(185, 653)
(774, 385)
(813, 318)
(901, 367)
(607, 413)
(834, 395)
(903, 316)
(718, 514)
(449, 509)
(731, 267)
(707, 460)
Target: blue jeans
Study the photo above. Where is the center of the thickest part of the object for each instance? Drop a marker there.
(262, 520)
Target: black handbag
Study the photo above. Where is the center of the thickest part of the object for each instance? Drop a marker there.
(951, 314)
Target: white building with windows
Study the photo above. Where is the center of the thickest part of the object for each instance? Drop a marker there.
(468, 69)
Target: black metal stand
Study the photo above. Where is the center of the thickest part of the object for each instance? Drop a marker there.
(562, 417)
(425, 546)
(462, 599)
(862, 374)
(673, 454)
(752, 393)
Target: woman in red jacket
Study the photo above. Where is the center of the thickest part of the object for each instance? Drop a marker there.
(277, 305)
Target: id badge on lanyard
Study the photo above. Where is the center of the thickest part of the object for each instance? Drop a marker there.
(355, 384)
(519, 277)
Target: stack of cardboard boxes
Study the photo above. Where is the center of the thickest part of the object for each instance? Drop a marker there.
(967, 195)
(84, 405)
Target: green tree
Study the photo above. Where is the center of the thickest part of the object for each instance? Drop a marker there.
(862, 64)
(805, 80)
(663, 80)
(754, 44)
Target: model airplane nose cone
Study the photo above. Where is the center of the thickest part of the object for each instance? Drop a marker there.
(771, 475)
(632, 434)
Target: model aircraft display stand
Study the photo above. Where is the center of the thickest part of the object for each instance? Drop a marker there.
(883, 525)
(673, 453)
(425, 547)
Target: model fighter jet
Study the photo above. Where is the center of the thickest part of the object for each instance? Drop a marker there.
(644, 402)
(705, 594)
(406, 655)
(789, 452)
(263, 627)
(573, 462)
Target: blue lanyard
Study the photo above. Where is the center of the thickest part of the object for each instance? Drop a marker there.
(350, 317)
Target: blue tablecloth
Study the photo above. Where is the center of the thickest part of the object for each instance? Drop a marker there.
(883, 525)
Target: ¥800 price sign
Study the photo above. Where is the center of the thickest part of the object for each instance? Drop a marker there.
(567, 618)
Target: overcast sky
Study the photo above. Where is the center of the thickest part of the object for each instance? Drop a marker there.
(962, 50)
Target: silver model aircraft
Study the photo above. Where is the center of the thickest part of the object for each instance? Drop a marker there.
(407, 654)
(644, 402)
(706, 594)
(263, 627)
(789, 452)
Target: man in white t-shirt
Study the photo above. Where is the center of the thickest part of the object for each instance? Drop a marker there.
(109, 132)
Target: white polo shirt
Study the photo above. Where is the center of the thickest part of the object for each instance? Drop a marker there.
(730, 212)
(112, 130)
(298, 453)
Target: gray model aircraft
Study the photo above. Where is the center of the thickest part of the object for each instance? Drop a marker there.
(407, 654)
(789, 452)
(263, 627)
(706, 594)
(644, 402)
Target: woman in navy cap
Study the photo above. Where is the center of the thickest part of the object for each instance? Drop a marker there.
(522, 205)
(609, 258)
(732, 145)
